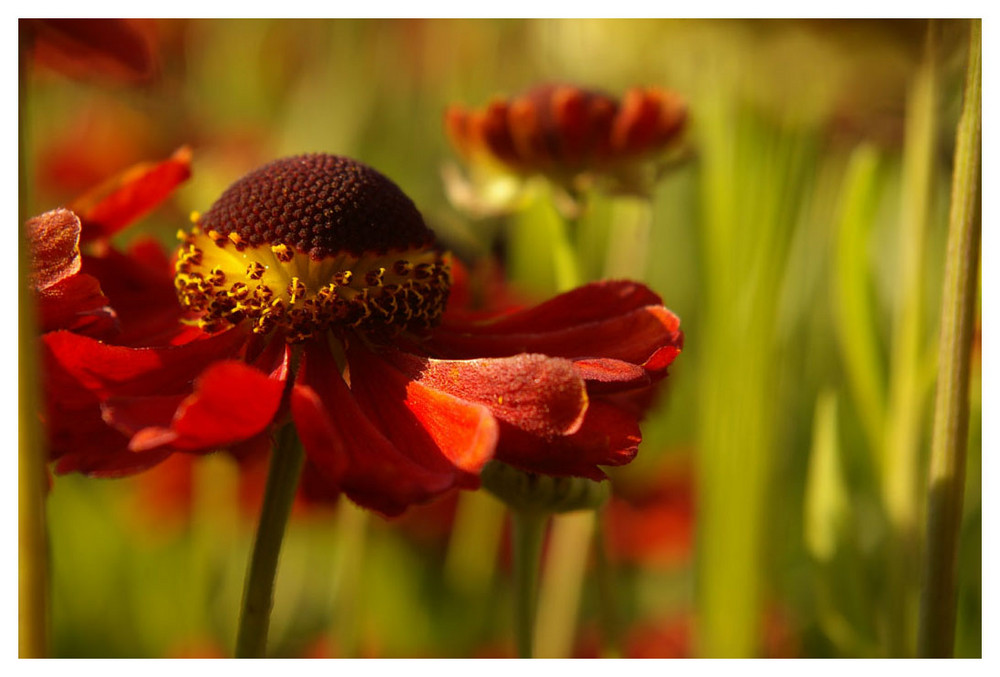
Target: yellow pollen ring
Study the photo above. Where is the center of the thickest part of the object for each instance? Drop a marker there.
(274, 287)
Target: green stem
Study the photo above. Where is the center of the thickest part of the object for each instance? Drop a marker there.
(562, 583)
(951, 418)
(628, 238)
(258, 595)
(348, 571)
(607, 593)
(474, 542)
(528, 533)
(33, 552)
(564, 255)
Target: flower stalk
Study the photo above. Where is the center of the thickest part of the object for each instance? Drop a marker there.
(258, 593)
(936, 634)
(528, 535)
(33, 565)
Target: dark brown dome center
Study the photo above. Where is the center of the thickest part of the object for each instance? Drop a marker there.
(321, 205)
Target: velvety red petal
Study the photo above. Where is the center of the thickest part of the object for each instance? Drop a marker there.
(129, 196)
(609, 436)
(604, 370)
(538, 394)
(118, 371)
(348, 448)
(54, 244)
(231, 403)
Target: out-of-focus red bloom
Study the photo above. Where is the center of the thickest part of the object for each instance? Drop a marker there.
(652, 524)
(568, 134)
(117, 49)
(673, 636)
(326, 293)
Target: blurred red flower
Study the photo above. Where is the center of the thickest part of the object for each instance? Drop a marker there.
(569, 134)
(652, 523)
(121, 50)
(322, 295)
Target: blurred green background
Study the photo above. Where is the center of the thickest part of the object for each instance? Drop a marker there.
(778, 500)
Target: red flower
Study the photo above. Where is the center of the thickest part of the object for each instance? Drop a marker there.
(326, 294)
(103, 293)
(570, 135)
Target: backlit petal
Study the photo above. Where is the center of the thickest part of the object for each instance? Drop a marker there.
(347, 448)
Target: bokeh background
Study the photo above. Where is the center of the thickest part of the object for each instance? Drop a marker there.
(778, 500)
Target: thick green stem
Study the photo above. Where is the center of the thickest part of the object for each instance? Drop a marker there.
(951, 417)
(628, 238)
(258, 594)
(33, 565)
(528, 533)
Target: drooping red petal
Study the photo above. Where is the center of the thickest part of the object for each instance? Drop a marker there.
(231, 403)
(431, 426)
(80, 441)
(126, 198)
(76, 304)
(117, 371)
(590, 303)
(634, 336)
(538, 394)
(347, 448)
(140, 287)
(609, 436)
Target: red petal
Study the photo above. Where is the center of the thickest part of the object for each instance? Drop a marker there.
(54, 242)
(76, 304)
(80, 441)
(347, 448)
(495, 133)
(590, 303)
(538, 394)
(107, 370)
(525, 123)
(434, 428)
(140, 286)
(636, 123)
(603, 370)
(127, 197)
(231, 403)
(608, 436)
(569, 111)
(635, 336)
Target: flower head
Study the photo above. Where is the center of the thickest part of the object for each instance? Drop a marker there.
(312, 244)
(571, 136)
(321, 294)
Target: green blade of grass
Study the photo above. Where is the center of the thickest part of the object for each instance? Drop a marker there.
(951, 413)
